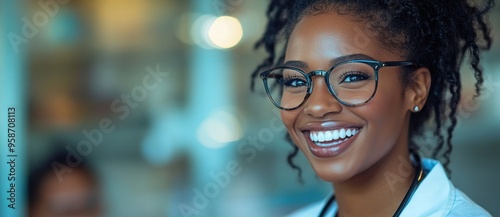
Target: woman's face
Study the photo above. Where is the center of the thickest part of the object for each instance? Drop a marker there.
(379, 127)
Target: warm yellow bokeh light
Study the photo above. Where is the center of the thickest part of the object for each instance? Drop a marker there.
(225, 32)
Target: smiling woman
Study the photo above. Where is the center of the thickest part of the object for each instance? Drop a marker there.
(356, 107)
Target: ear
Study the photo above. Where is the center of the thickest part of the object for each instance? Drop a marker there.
(418, 89)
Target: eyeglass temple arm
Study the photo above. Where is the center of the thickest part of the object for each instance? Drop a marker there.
(398, 63)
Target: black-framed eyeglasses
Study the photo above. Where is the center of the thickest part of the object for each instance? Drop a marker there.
(352, 82)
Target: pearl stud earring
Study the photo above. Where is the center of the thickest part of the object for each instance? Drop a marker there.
(416, 108)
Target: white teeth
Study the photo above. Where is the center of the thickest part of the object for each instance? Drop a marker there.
(330, 135)
(321, 136)
(335, 134)
(342, 133)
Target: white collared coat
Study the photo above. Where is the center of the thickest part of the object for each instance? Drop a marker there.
(435, 197)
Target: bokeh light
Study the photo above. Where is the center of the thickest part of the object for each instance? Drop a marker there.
(219, 129)
(225, 32)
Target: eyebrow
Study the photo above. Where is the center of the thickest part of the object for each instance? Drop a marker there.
(303, 65)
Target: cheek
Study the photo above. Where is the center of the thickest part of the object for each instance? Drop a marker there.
(386, 105)
(390, 99)
(384, 114)
(288, 119)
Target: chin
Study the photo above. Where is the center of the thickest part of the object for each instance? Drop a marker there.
(331, 170)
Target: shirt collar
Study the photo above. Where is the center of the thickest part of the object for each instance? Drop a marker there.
(432, 195)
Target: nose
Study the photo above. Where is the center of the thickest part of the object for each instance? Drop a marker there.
(321, 102)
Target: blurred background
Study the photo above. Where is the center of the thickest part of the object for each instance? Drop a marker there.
(153, 97)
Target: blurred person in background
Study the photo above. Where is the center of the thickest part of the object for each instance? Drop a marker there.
(357, 83)
(56, 189)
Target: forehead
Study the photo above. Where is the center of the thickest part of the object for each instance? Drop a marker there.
(317, 39)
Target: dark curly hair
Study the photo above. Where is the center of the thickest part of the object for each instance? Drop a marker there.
(436, 34)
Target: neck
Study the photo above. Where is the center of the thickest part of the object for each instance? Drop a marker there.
(379, 190)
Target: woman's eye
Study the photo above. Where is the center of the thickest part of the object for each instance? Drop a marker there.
(293, 82)
(354, 77)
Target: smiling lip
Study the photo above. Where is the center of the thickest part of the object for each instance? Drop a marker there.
(330, 141)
